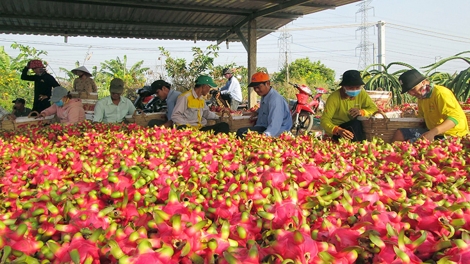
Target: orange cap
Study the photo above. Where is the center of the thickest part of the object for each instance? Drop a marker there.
(258, 78)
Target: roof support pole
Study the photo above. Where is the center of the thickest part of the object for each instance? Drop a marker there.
(252, 49)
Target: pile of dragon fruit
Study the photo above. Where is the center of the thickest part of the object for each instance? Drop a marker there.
(97, 193)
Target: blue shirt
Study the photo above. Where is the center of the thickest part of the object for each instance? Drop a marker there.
(171, 102)
(107, 112)
(274, 114)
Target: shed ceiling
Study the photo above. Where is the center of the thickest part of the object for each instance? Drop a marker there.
(212, 20)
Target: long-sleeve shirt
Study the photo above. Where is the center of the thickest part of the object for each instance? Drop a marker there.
(337, 107)
(171, 99)
(233, 88)
(84, 85)
(43, 85)
(191, 110)
(107, 112)
(442, 105)
(274, 114)
(70, 113)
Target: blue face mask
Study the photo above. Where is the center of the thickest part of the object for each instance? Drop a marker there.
(353, 93)
(59, 103)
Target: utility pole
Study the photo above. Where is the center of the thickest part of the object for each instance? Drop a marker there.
(381, 35)
(284, 50)
(364, 28)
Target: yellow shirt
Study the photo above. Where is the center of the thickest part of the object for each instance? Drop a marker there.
(337, 107)
(442, 105)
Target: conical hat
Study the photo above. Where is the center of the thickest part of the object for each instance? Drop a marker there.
(81, 68)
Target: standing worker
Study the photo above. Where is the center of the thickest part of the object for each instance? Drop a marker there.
(84, 82)
(43, 84)
(231, 91)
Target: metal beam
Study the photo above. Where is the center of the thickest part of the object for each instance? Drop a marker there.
(307, 4)
(114, 22)
(242, 38)
(262, 12)
(187, 35)
(159, 6)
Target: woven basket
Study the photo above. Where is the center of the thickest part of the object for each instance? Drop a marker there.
(84, 95)
(24, 122)
(467, 114)
(385, 127)
(142, 119)
(235, 122)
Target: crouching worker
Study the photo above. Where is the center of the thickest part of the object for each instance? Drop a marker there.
(273, 116)
(191, 109)
(339, 118)
(438, 106)
(69, 110)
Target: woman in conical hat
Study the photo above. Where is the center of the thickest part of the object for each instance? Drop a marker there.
(84, 82)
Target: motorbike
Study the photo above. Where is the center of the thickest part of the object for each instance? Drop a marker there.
(151, 106)
(303, 111)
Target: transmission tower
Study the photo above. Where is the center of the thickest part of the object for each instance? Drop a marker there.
(364, 57)
(284, 50)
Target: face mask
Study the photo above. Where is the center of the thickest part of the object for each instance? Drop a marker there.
(426, 91)
(59, 103)
(353, 93)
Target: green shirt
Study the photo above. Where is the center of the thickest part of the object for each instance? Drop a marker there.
(442, 105)
(107, 112)
(337, 108)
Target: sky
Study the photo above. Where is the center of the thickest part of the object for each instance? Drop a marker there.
(417, 32)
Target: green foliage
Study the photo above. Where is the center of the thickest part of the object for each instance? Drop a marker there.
(303, 71)
(458, 83)
(11, 85)
(134, 78)
(385, 80)
(184, 74)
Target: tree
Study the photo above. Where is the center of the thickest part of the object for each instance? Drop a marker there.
(135, 77)
(313, 74)
(11, 85)
(183, 74)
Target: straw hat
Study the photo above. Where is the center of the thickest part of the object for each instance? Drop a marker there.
(82, 69)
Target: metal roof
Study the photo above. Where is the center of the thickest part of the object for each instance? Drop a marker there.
(212, 20)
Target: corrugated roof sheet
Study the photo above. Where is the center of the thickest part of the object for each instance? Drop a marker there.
(213, 20)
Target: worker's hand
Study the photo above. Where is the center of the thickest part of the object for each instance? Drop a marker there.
(355, 112)
(43, 97)
(254, 116)
(429, 135)
(344, 133)
(41, 115)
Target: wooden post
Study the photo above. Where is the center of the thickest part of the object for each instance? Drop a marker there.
(252, 96)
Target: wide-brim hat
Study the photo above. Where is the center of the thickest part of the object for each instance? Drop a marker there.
(57, 93)
(82, 69)
(258, 78)
(410, 79)
(116, 86)
(351, 78)
(205, 79)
